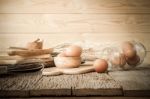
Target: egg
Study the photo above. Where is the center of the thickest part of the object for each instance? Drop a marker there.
(73, 51)
(118, 60)
(128, 49)
(100, 65)
(134, 61)
(67, 62)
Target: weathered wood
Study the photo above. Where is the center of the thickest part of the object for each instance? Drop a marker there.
(75, 23)
(87, 97)
(75, 6)
(78, 85)
(18, 85)
(34, 84)
(95, 84)
(134, 82)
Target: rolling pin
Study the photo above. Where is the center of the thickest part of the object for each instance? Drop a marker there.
(54, 71)
(30, 52)
(44, 56)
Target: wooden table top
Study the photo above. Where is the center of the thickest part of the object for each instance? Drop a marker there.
(117, 83)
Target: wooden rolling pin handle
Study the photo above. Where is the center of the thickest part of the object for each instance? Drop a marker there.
(17, 48)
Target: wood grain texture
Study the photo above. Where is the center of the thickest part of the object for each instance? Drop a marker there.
(83, 39)
(74, 23)
(95, 84)
(25, 84)
(74, 6)
(134, 82)
(34, 84)
(86, 97)
(19, 85)
(50, 40)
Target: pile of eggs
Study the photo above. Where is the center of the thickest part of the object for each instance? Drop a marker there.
(69, 58)
(131, 53)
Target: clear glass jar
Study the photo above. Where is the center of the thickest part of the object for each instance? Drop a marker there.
(127, 55)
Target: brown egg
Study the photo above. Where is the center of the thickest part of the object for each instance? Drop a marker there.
(134, 61)
(67, 62)
(118, 60)
(128, 49)
(73, 51)
(100, 65)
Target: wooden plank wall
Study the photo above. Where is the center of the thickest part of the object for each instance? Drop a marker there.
(58, 21)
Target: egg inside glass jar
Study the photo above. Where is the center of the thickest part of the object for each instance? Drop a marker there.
(73, 51)
(134, 52)
(128, 49)
(134, 61)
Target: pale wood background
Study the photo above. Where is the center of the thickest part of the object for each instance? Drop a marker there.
(58, 21)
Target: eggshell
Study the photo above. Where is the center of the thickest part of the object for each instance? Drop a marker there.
(118, 60)
(134, 61)
(67, 62)
(73, 51)
(128, 49)
(100, 65)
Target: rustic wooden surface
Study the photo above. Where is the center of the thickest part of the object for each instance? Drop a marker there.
(95, 84)
(119, 83)
(34, 84)
(96, 97)
(83, 98)
(134, 82)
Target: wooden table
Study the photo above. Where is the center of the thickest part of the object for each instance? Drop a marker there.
(132, 83)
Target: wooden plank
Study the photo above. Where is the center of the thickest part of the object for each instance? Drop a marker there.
(50, 39)
(34, 84)
(18, 85)
(74, 23)
(83, 39)
(95, 84)
(78, 85)
(74, 6)
(25, 85)
(134, 82)
(52, 86)
(95, 39)
(86, 97)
